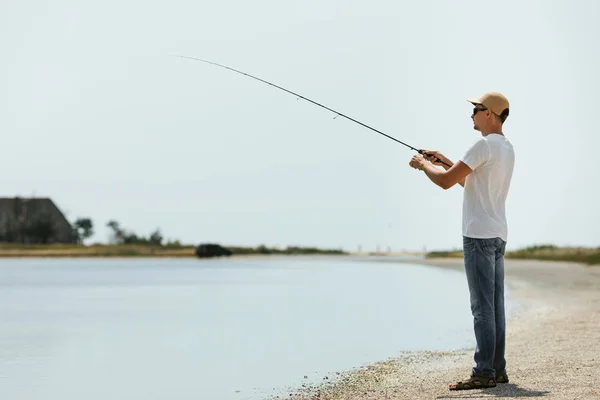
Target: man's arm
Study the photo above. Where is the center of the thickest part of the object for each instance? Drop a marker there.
(435, 157)
(444, 179)
(462, 181)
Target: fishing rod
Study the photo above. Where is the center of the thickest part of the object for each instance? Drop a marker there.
(314, 102)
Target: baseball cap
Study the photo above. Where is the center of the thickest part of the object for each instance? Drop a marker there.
(493, 101)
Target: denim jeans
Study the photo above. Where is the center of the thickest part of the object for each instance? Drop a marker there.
(484, 267)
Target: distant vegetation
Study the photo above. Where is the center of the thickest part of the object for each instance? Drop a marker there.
(290, 250)
(33, 242)
(83, 228)
(126, 243)
(95, 250)
(444, 254)
(121, 236)
(172, 249)
(554, 253)
(586, 255)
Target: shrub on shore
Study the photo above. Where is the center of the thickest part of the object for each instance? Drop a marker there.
(547, 252)
(290, 250)
(553, 253)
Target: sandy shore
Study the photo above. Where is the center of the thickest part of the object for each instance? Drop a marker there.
(553, 345)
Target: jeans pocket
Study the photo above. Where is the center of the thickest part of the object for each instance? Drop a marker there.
(501, 246)
(487, 246)
(468, 245)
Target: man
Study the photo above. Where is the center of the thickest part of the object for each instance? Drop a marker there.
(485, 172)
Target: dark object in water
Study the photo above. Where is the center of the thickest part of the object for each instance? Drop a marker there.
(212, 250)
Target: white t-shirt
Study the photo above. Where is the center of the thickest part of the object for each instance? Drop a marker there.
(492, 160)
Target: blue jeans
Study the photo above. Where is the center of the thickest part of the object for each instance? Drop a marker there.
(484, 267)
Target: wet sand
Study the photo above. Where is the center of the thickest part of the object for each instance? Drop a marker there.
(553, 345)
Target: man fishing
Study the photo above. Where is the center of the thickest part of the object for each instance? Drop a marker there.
(485, 172)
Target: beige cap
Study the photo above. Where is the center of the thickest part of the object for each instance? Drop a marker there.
(493, 101)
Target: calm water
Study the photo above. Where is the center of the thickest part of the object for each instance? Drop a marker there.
(213, 329)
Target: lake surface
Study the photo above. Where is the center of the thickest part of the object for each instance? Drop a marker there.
(99, 329)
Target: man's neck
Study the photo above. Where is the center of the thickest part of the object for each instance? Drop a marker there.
(497, 130)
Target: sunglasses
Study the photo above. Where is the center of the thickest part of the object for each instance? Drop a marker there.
(477, 109)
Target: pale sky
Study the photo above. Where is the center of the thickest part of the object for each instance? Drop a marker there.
(99, 117)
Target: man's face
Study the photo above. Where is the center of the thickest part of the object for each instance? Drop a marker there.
(478, 117)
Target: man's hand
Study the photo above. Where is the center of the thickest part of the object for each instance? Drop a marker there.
(444, 179)
(436, 158)
(417, 162)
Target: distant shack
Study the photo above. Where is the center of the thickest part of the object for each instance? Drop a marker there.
(33, 220)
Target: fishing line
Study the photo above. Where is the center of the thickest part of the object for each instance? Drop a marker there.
(314, 102)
